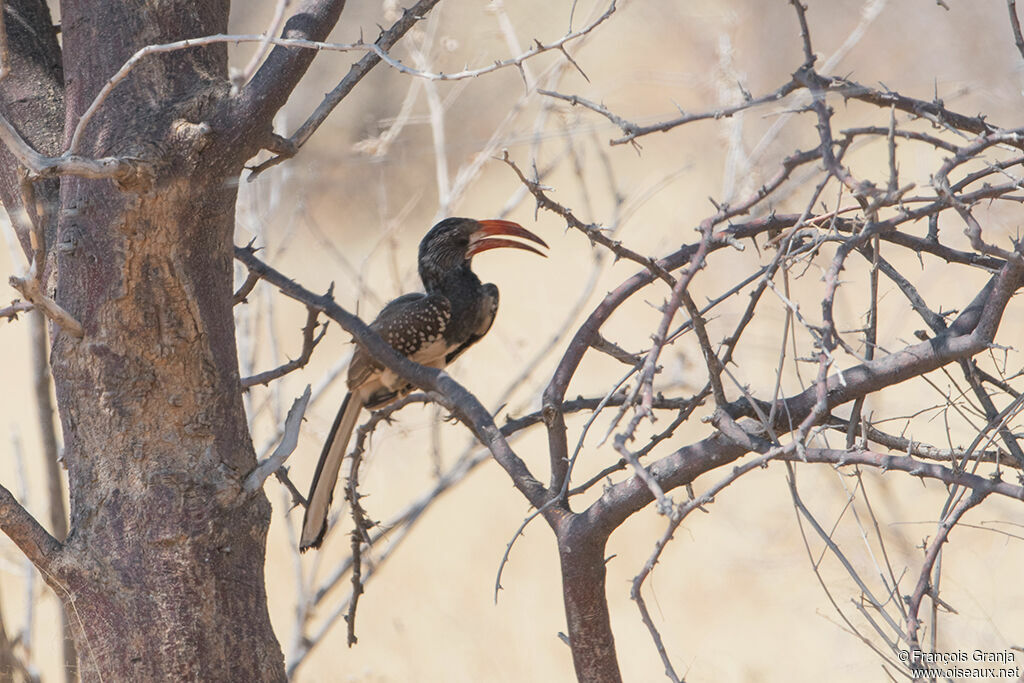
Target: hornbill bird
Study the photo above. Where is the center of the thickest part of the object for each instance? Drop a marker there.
(431, 328)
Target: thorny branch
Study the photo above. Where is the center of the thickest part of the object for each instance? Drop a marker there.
(309, 341)
(284, 148)
(886, 218)
(593, 232)
(857, 356)
(925, 581)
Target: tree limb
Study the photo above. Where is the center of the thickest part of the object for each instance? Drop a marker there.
(261, 98)
(290, 439)
(31, 538)
(972, 336)
(29, 288)
(42, 166)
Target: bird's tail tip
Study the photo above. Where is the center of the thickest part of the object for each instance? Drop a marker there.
(313, 543)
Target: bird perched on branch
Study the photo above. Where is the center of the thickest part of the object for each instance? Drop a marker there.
(431, 328)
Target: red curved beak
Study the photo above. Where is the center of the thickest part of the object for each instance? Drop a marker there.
(482, 239)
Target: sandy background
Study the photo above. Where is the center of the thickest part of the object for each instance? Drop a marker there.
(735, 596)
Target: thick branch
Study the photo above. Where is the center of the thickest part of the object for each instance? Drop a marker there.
(259, 101)
(21, 527)
(67, 164)
(29, 288)
(970, 334)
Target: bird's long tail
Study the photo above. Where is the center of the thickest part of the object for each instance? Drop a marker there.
(321, 491)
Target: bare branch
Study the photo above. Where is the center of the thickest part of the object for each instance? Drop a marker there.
(1018, 39)
(849, 205)
(924, 582)
(289, 440)
(11, 312)
(309, 341)
(517, 61)
(243, 76)
(30, 537)
(902, 463)
(117, 168)
(911, 447)
(968, 335)
(932, 111)
(246, 287)
(289, 147)
(805, 34)
(615, 351)
(593, 232)
(29, 288)
(257, 103)
(378, 52)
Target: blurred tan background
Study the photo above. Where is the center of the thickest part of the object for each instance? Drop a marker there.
(734, 596)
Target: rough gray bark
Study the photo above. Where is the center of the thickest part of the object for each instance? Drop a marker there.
(581, 555)
(162, 569)
(164, 562)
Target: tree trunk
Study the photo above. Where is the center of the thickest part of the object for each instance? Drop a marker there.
(162, 571)
(581, 555)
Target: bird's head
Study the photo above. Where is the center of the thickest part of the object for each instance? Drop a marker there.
(453, 242)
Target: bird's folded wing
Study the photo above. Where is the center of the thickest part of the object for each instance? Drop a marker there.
(414, 325)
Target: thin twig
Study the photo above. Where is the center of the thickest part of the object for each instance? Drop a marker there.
(11, 312)
(1018, 39)
(243, 76)
(593, 232)
(290, 439)
(925, 579)
(121, 169)
(309, 341)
